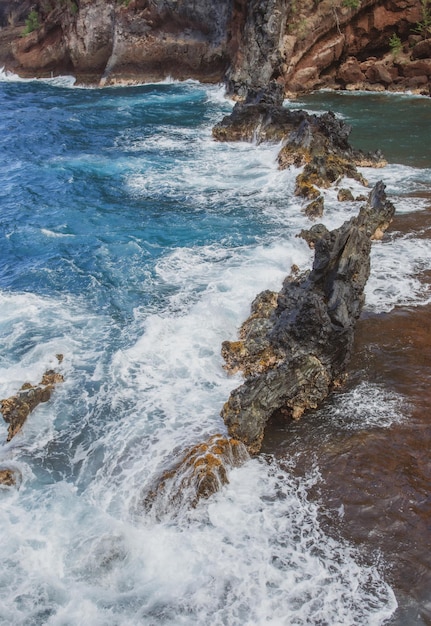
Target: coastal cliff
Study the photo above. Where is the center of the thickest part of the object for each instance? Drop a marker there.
(377, 44)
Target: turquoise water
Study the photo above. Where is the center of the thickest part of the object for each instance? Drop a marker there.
(396, 124)
(133, 245)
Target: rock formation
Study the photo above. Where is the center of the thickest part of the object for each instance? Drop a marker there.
(292, 350)
(9, 478)
(294, 347)
(377, 44)
(319, 143)
(17, 408)
(201, 472)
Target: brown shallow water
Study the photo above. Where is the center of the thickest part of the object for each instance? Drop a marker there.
(375, 489)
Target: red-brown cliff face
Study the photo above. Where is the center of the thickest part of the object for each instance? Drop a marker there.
(246, 43)
(316, 44)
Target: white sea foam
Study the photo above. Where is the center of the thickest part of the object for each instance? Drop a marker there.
(368, 405)
(33, 330)
(51, 233)
(253, 555)
(396, 269)
(57, 81)
(401, 181)
(174, 370)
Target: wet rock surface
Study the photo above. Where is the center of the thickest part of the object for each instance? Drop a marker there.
(295, 346)
(17, 408)
(9, 478)
(202, 471)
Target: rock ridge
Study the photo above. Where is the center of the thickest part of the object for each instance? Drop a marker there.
(294, 347)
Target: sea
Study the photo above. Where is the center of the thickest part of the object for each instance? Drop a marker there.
(133, 244)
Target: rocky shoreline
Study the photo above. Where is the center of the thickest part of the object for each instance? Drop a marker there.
(338, 44)
(294, 348)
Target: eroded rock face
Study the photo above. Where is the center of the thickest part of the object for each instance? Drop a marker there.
(257, 55)
(17, 408)
(294, 347)
(104, 40)
(178, 38)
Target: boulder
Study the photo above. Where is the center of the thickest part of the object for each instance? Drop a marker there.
(350, 72)
(294, 347)
(345, 195)
(379, 73)
(422, 50)
(314, 210)
(9, 478)
(420, 67)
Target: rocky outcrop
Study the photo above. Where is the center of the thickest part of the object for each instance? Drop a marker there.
(317, 143)
(294, 347)
(9, 478)
(245, 43)
(17, 408)
(257, 57)
(311, 45)
(202, 471)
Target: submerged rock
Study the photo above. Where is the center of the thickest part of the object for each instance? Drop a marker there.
(294, 347)
(201, 472)
(17, 408)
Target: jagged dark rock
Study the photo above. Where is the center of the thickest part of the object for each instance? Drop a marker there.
(294, 347)
(305, 136)
(17, 408)
(314, 210)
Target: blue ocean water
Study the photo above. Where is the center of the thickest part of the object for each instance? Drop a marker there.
(133, 244)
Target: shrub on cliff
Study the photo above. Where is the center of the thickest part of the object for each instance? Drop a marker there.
(31, 23)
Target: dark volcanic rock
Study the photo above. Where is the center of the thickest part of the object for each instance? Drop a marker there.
(256, 46)
(345, 195)
(314, 209)
(294, 348)
(305, 136)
